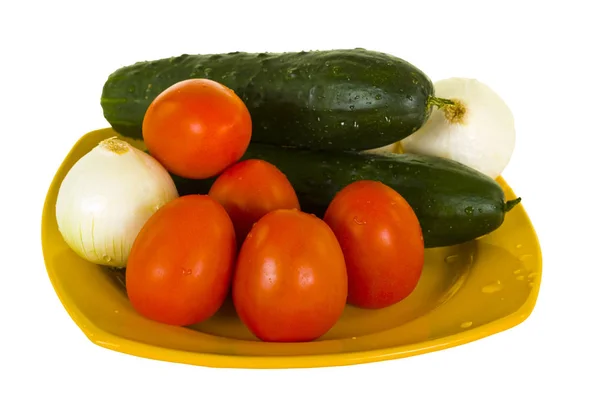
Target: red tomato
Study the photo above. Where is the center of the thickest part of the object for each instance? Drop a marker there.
(290, 282)
(250, 189)
(197, 128)
(180, 267)
(382, 242)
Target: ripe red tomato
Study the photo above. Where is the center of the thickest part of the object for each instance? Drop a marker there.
(197, 128)
(180, 267)
(382, 242)
(290, 282)
(250, 189)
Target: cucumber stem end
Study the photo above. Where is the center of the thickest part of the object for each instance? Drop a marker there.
(439, 102)
(509, 205)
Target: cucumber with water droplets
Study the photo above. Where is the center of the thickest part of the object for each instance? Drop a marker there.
(336, 99)
(454, 203)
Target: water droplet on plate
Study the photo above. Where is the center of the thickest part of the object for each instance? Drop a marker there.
(492, 287)
(520, 278)
(451, 259)
(466, 324)
(517, 271)
(525, 257)
(519, 246)
(532, 275)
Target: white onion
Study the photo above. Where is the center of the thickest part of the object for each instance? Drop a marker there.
(106, 198)
(477, 131)
(390, 148)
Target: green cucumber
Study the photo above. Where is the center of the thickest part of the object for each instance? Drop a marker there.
(454, 203)
(333, 100)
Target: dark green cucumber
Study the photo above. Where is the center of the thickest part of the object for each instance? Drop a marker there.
(336, 99)
(454, 203)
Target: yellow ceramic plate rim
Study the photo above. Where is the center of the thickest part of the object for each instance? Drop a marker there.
(113, 342)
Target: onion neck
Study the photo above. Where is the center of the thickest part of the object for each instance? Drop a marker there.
(454, 109)
(455, 113)
(115, 145)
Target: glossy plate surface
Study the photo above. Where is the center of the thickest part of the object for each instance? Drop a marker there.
(466, 292)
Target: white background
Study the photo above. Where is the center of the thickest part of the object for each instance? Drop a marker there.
(539, 56)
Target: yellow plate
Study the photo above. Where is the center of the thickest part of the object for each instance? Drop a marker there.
(466, 292)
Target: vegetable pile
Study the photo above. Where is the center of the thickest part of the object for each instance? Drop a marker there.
(296, 183)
